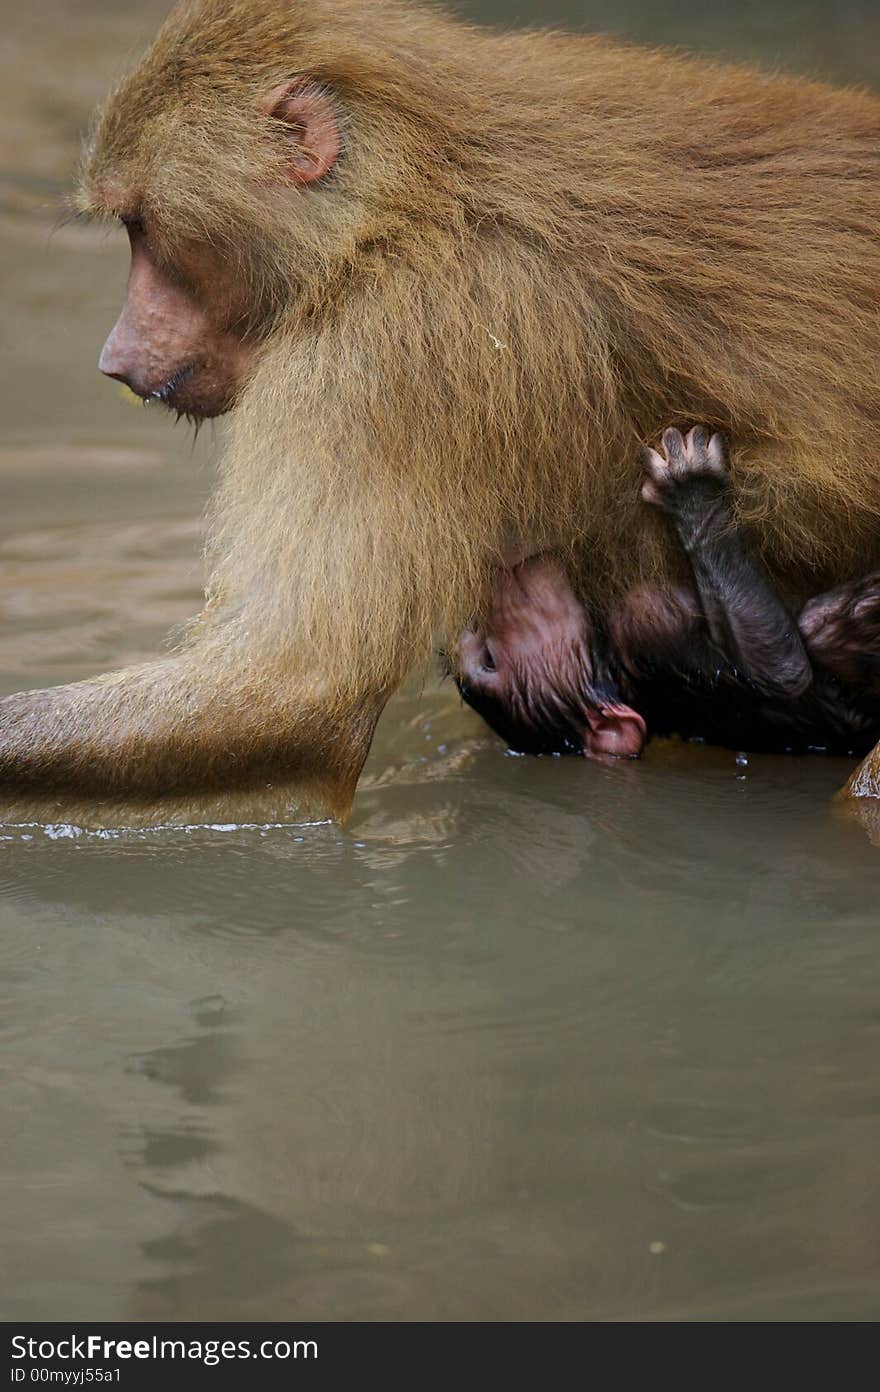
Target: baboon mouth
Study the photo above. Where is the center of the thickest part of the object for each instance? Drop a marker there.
(165, 395)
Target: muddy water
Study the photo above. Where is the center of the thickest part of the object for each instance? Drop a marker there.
(533, 1040)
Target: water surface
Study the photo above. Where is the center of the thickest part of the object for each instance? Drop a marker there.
(532, 1040)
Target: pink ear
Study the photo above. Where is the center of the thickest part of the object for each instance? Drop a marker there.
(615, 731)
(307, 110)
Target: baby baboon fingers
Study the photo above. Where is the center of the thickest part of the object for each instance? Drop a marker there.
(696, 443)
(654, 465)
(674, 447)
(717, 455)
(696, 454)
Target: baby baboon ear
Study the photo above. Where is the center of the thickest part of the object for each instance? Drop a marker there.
(308, 112)
(616, 731)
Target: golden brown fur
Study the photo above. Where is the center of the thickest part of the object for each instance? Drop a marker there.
(535, 253)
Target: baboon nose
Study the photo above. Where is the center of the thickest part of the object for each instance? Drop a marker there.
(112, 364)
(117, 360)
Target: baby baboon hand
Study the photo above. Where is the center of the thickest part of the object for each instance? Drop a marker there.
(674, 472)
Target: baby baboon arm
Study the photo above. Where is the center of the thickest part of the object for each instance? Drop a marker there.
(746, 618)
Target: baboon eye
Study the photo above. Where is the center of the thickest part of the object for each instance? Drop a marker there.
(488, 662)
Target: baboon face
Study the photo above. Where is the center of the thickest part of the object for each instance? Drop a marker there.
(170, 343)
(191, 324)
(530, 670)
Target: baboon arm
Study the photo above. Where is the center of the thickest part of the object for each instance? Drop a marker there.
(183, 739)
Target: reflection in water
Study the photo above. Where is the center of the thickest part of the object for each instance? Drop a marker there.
(215, 1249)
(533, 1040)
(198, 1066)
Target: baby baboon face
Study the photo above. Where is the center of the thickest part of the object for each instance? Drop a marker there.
(530, 670)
